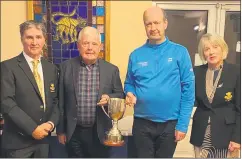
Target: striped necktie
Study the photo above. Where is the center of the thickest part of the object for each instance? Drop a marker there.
(38, 79)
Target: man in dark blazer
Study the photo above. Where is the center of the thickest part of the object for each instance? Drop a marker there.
(29, 96)
(86, 83)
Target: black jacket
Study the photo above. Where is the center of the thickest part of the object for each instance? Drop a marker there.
(224, 114)
(110, 84)
(21, 103)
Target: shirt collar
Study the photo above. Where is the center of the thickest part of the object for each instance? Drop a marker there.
(28, 58)
(157, 45)
(83, 64)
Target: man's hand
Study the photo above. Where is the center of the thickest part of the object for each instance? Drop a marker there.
(233, 146)
(46, 126)
(39, 133)
(130, 99)
(179, 135)
(62, 138)
(104, 100)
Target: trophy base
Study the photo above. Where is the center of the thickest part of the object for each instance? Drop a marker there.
(114, 144)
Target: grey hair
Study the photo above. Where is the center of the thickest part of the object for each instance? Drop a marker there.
(85, 30)
(32, 23)
(164, 14)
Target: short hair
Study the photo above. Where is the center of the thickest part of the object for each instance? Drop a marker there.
(85, 30)
(213, 39)
(164, 14)
(29, 24)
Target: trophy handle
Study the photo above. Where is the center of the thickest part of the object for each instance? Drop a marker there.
(105, 111)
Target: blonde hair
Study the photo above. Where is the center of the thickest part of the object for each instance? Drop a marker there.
(212, 39)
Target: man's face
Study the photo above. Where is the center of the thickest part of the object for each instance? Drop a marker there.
(33, 41)
(89, 47)
(155, 25)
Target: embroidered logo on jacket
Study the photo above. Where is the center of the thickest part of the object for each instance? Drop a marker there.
(228, 96)
(143, 64)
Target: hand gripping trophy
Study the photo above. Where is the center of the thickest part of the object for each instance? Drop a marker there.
(116, 109)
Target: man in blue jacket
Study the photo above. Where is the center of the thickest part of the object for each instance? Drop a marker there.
(160, 85)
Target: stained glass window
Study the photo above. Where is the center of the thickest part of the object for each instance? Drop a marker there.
(64, 20)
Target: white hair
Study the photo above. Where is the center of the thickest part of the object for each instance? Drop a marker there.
(85, 31)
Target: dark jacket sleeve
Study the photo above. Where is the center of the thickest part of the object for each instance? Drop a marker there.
(9, 106)
(117, 91)
(236, 136)
(60, 127)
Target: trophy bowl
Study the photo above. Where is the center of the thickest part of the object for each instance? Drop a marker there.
(116, 109)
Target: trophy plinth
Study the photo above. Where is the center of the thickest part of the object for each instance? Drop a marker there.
(116, 109)
(114, 137)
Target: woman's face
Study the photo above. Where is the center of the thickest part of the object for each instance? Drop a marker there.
(213, 54)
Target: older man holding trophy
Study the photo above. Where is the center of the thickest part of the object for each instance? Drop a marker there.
(86, 84)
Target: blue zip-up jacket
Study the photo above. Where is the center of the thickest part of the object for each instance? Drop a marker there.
(162, 79)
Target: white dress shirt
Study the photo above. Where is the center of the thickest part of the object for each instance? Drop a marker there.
(40, 71)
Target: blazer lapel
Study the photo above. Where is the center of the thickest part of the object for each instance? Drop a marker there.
(26, 69)
(101, 77)
(203, 86)
(75, 74)
(221, 80)
(45, 78)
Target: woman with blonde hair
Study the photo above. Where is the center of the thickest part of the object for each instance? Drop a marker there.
(216, 122)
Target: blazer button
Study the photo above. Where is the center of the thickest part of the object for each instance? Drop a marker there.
(41, 106)
(40, 119)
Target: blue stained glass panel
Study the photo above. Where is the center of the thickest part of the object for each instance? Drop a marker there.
(55, 8)
(38, 17)
(82, 11)
(56, 44)
(63, 3)
(66, 54)
(73, 45)
(60, 51)
(100, 11)
(65, 46)
(53, 2)
(102, 37)
(83, 3)
(64, 9)
(73, 3)
(71, 9)
(94, 11)
(74, 53)
(56, 53)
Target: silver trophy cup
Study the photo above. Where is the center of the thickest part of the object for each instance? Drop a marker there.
(116, 109)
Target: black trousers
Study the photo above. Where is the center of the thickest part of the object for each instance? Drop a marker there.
(34, 151)
(84, 143)
(153, 139)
